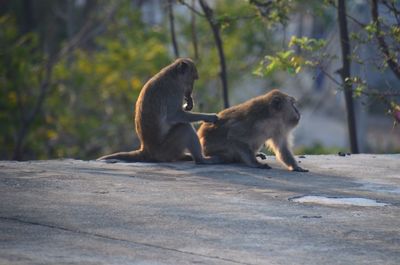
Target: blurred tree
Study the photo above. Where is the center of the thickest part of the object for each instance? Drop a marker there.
(345, 73)
(245, 36)
(29, 76)
(172, 27)
(98, 87)
(22, 79)
(306, 52)
(100, 60)
(71, 70)
(216, 27)
(393, 31)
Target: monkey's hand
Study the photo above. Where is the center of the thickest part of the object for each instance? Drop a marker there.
(211, 118)
(299, 169)
(189, 103)
(264, 166)
(261, 155)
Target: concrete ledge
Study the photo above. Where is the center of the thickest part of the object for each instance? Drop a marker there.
(86, 212)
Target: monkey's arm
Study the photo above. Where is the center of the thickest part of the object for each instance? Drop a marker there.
(187, 117)
(283, 154)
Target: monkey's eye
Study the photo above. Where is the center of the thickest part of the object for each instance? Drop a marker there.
(277, 103)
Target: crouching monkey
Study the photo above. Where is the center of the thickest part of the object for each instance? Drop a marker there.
(162, 123)
(242, 130)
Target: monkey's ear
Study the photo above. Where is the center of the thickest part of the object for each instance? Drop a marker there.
(182, 67)
(277, 103)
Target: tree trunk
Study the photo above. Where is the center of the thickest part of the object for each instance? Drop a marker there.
(194, 34)
(28, 21)
(69, 47)
(393, 65)
(172, 27)
(345, 74)
(28, 121)
(218, 41)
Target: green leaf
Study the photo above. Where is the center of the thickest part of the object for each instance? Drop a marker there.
(359, 90)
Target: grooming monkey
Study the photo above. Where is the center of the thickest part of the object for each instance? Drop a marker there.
(162, 125)
(242, 130)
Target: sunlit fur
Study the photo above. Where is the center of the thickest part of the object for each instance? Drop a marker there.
(243, 129)
(162, 126)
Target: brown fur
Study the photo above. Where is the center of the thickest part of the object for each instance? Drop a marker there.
(162, 125)
(242, 130)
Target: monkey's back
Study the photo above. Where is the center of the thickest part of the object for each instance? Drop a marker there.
(156, 96)
(213, 137)
(242, 124)
(216, 138)
(150, 111)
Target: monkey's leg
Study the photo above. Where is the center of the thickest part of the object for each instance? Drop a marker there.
(194, 146)
(247, 156)
(181, 137)
(186, 157)
(284, 155)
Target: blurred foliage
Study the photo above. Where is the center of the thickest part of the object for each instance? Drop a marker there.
(274, 11)
(89, 102)
(20, 74)
(244, 35)
(305, 53)
(317, 149)
(96, 90)
(302, 52)
(88, 110)
(89, 107)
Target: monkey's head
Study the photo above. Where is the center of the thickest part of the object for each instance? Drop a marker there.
(283, 106)
(186, 73)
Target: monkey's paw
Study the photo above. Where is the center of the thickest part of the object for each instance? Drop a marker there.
(299, 169)
(109, 161)
(264, 166)
(261, 155)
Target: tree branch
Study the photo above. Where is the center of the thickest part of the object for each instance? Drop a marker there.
(345, 74)
(172, 27)
(392, 8)
(332, 3)
(191, 8)
(218, 41)
(381, 40)
(194, 34)
(75, 42)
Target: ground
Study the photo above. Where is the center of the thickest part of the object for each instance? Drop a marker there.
(87, 212)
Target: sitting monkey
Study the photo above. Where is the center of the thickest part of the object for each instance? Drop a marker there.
(162, 125)
(242, 130)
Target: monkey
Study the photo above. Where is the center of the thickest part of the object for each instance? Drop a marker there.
(162, 123)
(242, 130)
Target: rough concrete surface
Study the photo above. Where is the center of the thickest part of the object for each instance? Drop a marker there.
(86, 212)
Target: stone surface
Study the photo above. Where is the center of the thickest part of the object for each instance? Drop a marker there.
(86, 212)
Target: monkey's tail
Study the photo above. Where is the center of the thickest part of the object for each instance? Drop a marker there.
(133, 156)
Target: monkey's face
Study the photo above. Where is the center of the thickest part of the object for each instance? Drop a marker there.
(187, 73)
(293, 114)
(285, 106)
(189, 100)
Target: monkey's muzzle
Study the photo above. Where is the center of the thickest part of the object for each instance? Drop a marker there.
(297, 116)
